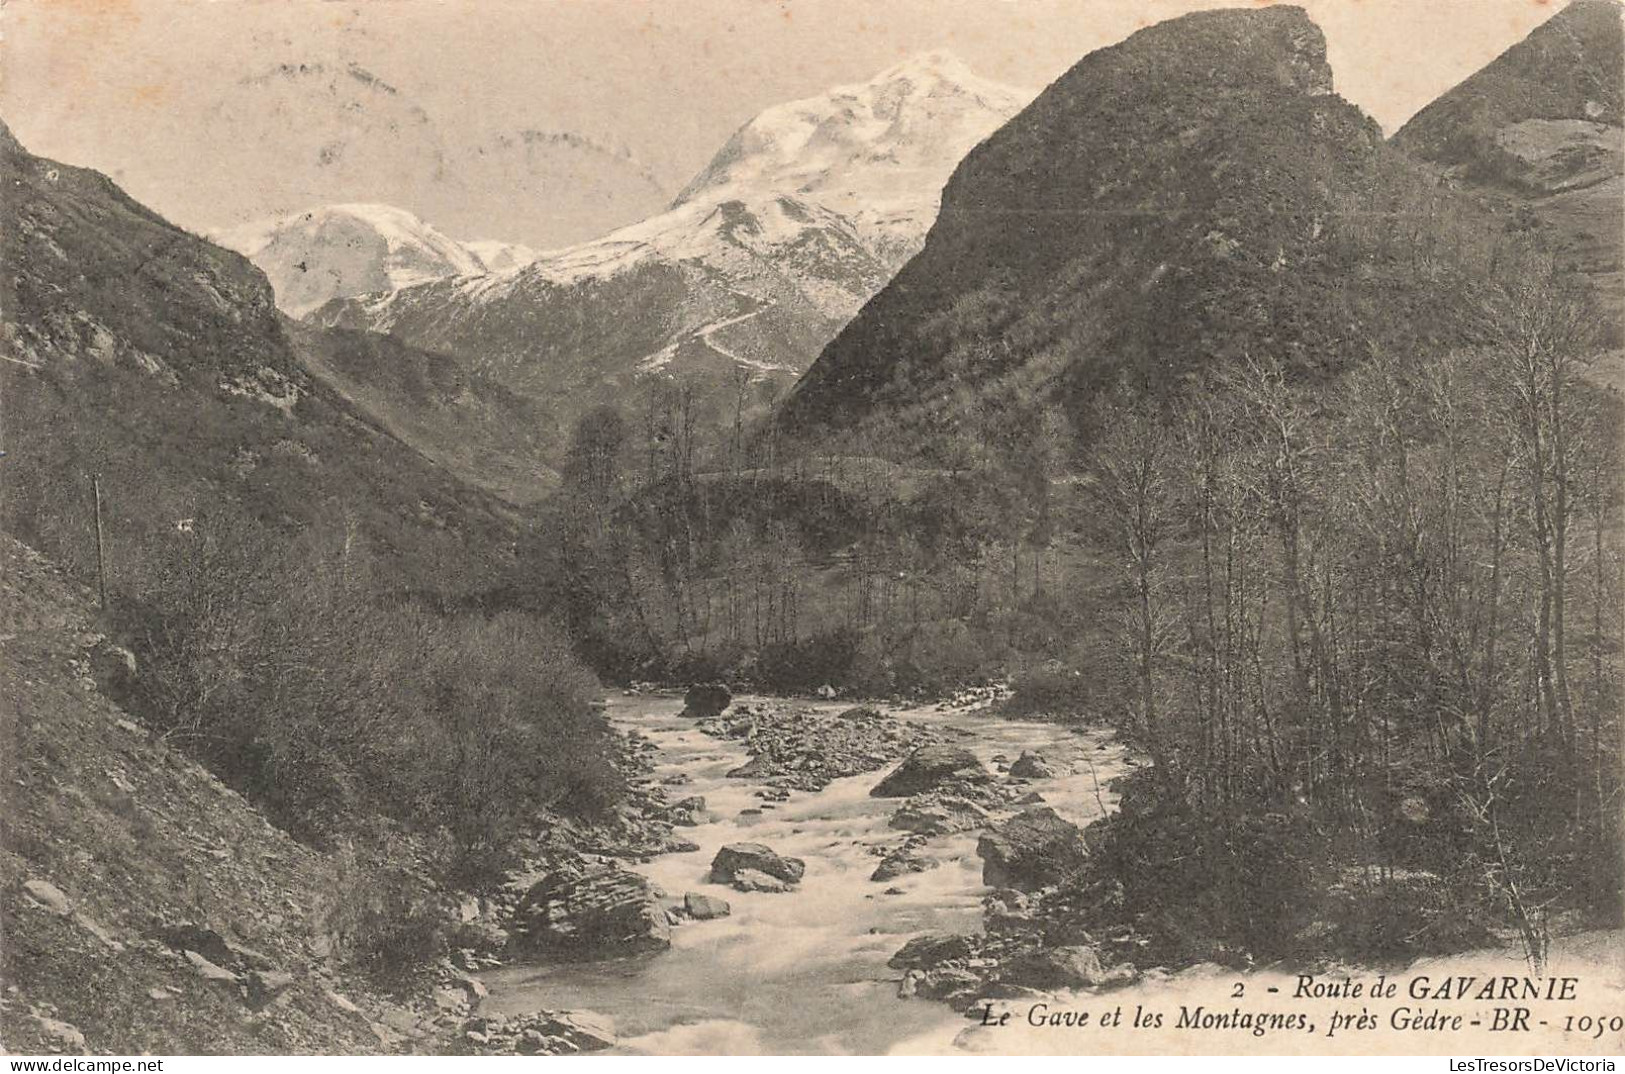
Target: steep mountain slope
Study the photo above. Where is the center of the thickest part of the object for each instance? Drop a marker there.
(1544, 124)
(121, 854)
(753, 269)
(1189, 196)
(461, 419)
(877, 152)
(335, 251)
(134, 350)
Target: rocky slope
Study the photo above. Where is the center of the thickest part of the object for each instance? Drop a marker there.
(147, 906)
(1544, 125)
(1180, 199)
(796, 223)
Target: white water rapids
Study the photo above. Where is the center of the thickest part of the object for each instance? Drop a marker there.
(804, 971)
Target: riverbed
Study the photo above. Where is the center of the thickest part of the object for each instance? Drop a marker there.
(803, 971)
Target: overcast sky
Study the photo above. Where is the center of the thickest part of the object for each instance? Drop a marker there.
(163, 96)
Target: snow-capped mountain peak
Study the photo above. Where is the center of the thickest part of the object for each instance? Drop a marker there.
(333, 251)
(878, 151)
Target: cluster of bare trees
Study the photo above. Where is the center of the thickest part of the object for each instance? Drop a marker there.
(1393, 606)
(281, 665)
(690, 542)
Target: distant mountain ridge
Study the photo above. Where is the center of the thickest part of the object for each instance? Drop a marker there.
(754, 267)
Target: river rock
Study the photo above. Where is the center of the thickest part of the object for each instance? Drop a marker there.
(805, 749)
(939, 815)
(707, 699)
(929, 767)
(606, 910)
(956, 985)
(758, 767)
(587, 1030)
(1059, 967)
(1032, 765)
(705, 907)
(932, 949)
(902, 861)
(686, 813)
(754, 880)
(1033, 849)
(734, 857)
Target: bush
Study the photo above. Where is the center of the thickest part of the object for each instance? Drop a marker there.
(801, 667)
(383, 914)
(278, 665)
(1213, 887)
(1086, 684)
(942, 655)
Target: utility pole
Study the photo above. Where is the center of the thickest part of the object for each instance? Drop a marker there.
(101, 555)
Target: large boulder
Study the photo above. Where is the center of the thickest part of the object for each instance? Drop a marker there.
(1032, 766)
(687, 813)
(932, 949)
(739, 857)
(704, 907)
(1058, 967)
(604, 911)
(930, 767)
(902, 861)
(706, 699)
(756, 880)
(588, 1031)
(939, 815)
(1033, 849)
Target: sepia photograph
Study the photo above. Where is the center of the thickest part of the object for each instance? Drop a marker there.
(811, 527)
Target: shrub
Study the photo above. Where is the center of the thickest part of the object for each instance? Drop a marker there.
(803, 666)
(383, 914)
(941, 655)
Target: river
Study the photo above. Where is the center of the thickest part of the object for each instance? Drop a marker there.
(805, 971)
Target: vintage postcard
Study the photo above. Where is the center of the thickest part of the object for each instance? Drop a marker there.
(948, 527)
